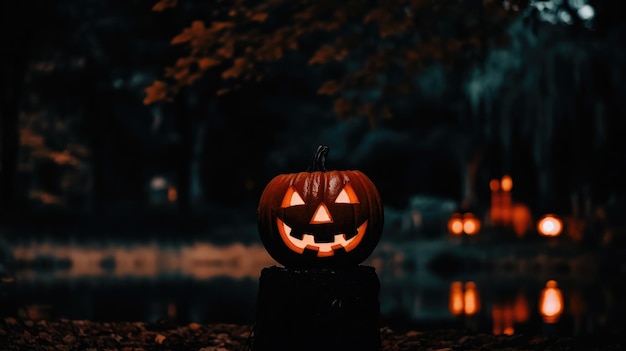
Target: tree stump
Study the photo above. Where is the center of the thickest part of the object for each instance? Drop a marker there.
(318, 309)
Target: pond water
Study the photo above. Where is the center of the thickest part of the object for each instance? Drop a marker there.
(522, 291)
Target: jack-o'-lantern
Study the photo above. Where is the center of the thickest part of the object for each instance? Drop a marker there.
(320, 218)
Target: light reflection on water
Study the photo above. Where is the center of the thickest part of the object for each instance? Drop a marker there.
(202, 282)
(199, 261)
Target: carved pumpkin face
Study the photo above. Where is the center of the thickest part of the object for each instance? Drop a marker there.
(320, 218)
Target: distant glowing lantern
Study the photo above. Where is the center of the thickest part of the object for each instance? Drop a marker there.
(506, 184)
(551, 302)
(467, 223)
(471, 224)
(455, 224)
(494, 185)
(463, 299)
(501, 201)
(550, 225)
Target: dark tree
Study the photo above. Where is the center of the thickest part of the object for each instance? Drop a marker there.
(371, 51)
(22, 22)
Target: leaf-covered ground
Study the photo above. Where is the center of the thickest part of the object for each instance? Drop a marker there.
(16, 334)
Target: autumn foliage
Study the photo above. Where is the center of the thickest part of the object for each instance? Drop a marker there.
(381, 45)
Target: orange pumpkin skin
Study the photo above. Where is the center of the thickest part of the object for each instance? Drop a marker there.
(320, 218)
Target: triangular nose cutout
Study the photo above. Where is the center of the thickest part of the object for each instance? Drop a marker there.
(321, 215)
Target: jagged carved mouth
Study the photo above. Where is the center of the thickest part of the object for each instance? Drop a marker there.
(323, 249)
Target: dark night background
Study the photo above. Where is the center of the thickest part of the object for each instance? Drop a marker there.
(105, 190)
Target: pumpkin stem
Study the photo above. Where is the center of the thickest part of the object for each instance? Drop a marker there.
(319, 159)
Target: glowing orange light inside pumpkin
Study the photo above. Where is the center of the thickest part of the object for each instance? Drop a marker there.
(506, 183)
(347, 195)
(551, 302)
(320, 216)
(291, 198)
(550, 225)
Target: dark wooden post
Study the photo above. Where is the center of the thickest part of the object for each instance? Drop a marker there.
(318, 309)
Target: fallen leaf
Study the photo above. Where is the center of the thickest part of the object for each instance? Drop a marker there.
(164, 4)
(159, 339)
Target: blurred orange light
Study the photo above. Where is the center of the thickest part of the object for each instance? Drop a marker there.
(502, 317)
(550, 225)
(522, 219)
(494, 185)
(455, 303)
(497, 313)
(471, 299)
(172, 194)
(467, 224)
(471, 224)
(455, 224)
(551, 303)
(171, 310)
(521, 309)
(506, 314)
(463, 300)
(506, 183)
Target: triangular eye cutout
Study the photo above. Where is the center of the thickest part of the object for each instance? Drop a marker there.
(292, 198)
(347, 196)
